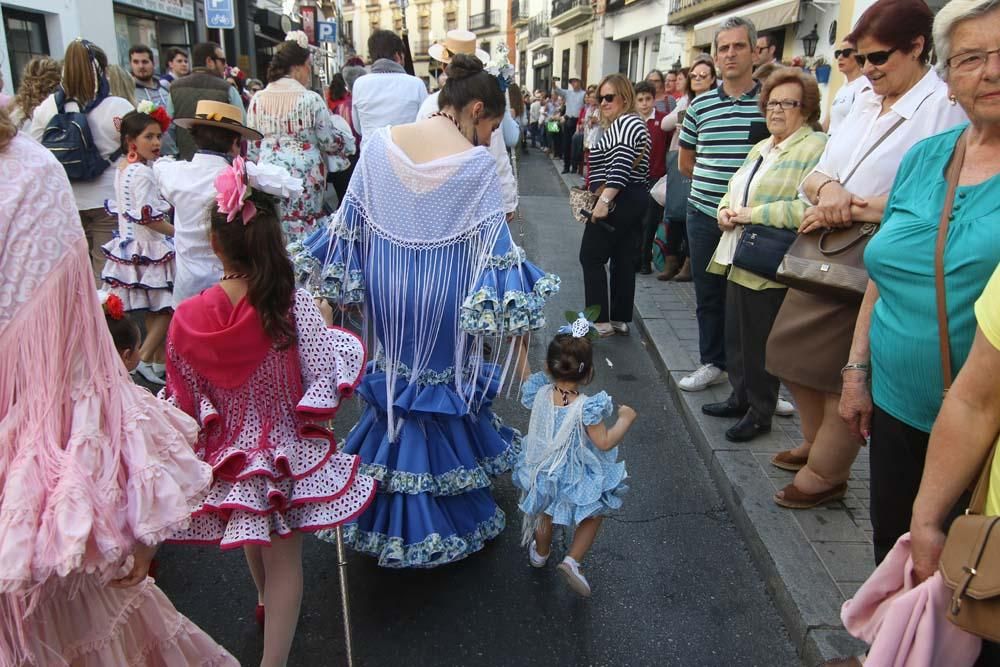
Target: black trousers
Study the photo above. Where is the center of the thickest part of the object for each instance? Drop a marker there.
(600, 246)
(650, 223)
(568, 130)
(576, 164)
(750, 314)
(896, 462)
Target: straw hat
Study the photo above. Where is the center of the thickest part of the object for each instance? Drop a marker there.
(457, 41)
(218, 114)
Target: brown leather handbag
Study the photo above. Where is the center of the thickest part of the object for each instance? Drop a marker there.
(970, 561)
(832, 262)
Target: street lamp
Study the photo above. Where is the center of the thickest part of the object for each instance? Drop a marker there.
(810, 41)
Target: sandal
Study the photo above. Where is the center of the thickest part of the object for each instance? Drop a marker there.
(792, 498)
(788, 461)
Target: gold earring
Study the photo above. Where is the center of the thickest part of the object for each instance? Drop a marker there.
(952, 100)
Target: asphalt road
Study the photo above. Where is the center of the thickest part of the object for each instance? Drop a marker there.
(673, 582)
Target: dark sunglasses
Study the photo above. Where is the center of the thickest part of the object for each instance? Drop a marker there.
(846, 53)
(609, 98)
(875, 57)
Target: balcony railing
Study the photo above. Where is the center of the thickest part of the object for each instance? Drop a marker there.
(563, 6)
(419, 45)
(538, 27)
(485, 20)
(519, 12)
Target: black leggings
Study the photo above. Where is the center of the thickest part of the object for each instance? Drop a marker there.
(619, 247)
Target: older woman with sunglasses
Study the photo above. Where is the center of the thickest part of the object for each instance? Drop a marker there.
(810, 343)
(855, 83)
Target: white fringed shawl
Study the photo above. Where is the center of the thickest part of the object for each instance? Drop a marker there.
(422, 231)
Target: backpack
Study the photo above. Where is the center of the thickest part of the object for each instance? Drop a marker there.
(68, 137)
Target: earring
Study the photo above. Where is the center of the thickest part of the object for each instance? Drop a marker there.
(133, 156)
(952, 100)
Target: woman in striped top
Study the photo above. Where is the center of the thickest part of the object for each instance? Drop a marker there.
(619, 171)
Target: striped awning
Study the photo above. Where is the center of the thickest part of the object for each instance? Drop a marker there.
(766, 14)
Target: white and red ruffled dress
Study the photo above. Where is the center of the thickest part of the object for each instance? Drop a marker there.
(140, 266)
(276, 469)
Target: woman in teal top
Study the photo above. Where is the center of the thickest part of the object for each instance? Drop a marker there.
(896, 339)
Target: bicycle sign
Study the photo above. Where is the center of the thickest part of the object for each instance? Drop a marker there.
(220, 14)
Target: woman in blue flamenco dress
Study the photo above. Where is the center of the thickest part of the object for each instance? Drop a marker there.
(421, 244)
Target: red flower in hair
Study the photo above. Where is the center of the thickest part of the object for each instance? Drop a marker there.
(161, 116)
(113, 307)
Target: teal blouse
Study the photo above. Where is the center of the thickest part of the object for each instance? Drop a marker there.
(906, 363)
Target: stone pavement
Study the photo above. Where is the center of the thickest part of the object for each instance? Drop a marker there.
(812, 560)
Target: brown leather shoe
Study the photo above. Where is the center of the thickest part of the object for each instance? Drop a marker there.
(671, 265)
(792, 498)
(684, 275)
(786, 460)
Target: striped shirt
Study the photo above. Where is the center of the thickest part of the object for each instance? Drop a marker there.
(721, 130)
(613, 159)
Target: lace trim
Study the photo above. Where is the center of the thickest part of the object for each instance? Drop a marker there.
(513, 258)
(485, 312)
(136, 259)
(327, 281)
(432, 551)
(426, 377)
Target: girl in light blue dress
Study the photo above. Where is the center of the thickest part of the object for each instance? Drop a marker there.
(567, 470)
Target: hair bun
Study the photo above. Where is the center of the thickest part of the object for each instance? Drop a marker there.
(464, 65)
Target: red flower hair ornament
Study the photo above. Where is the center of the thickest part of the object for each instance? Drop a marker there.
(112, 305)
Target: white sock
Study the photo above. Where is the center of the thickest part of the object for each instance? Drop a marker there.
(159, 369)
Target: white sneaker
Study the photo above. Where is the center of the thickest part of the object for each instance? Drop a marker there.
(146, 371)
(784, 408)
(703, 378)
(536, 559)
(570, 570)
(620, 328)
(160, 369)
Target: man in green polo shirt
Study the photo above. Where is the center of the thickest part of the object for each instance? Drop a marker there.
(720, 127)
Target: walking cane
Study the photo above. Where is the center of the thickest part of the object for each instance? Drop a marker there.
(344, 603)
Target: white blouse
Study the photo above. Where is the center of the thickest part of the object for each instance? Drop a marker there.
(927, 112)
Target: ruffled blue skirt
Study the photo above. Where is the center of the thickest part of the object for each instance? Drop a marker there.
(434, 504)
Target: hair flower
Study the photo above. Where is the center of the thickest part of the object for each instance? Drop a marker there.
(233, 192)
(299, 37)
(581, 325)
(145, 106)
(112, 305)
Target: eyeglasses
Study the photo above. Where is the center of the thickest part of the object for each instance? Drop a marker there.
(787, 105)
(654, 79)
(876, 58)
(607, 99)
(843, 53)
(970, 61)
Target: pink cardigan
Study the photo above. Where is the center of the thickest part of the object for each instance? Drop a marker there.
(906, 624)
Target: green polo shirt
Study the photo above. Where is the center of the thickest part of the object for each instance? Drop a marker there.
(721, 130)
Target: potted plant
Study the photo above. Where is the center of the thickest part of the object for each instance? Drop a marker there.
(822, 70)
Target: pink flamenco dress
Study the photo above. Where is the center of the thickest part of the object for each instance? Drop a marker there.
(90, 463)
(260, 409)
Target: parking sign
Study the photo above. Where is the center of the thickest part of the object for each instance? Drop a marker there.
(219, 14)
(326, 31)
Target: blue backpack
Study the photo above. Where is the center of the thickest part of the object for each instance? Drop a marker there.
(68, 137)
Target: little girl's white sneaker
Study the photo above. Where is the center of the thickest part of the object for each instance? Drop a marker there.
(536, 559)
(570, 570)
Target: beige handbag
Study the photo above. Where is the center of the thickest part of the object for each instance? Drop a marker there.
(581, 199)
(970, 561)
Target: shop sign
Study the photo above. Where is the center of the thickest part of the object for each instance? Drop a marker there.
(326, 31)
(181, 9)
(308, 15)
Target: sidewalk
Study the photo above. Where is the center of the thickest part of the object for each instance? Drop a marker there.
(812, 560)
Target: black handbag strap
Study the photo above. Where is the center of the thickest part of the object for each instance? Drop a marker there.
(895, 126)
(753, 172)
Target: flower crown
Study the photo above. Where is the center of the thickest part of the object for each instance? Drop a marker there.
(299, 37)
(112, 305)
(501, 68)
(581, 325)
(156, 112)
(242, 186)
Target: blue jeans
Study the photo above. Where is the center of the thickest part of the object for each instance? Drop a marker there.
(709, 289)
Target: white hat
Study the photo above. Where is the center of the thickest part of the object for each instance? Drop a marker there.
(457, 41)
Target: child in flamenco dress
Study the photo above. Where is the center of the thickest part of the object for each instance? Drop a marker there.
(567, 470)
(255, 362)
(140, 266)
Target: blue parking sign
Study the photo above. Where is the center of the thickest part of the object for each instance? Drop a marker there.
(326, 31)
(219, 14)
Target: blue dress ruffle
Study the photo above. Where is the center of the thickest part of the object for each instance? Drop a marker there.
(433, 504)
(588, 483)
